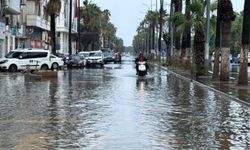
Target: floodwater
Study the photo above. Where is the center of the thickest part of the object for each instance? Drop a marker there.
(113, 109)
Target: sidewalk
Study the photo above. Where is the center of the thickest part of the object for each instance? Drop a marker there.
(229, 89)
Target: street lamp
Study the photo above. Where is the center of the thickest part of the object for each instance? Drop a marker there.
(22, 5)
(207, 35)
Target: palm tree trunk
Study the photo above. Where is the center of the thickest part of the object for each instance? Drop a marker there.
(227, 16)
(53, 33)
(160, 31)
(183, 48)
(186, 40)
(243, 76)
(199, 51)
(216, 66)
(178, 8)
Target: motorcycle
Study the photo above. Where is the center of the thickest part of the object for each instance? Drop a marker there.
(142, 68)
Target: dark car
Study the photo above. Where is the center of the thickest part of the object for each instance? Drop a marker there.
(108, 57)
(76, 61)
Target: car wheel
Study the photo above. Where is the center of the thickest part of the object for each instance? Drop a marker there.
(44, 67)
(55, 66)
(102, 65)
(13, 68)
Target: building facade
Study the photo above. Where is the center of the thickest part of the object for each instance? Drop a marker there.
(9, 9)
(62, 27)
(27, 27)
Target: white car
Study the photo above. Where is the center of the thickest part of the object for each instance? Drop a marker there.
(84, 55)
(95, 58)
(33, 59)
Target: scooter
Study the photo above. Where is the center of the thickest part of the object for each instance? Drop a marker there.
(142, 68)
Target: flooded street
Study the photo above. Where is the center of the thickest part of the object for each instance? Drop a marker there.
(113, 109)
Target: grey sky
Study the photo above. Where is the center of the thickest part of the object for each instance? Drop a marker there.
(127, 14)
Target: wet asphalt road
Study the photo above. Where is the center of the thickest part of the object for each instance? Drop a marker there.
(113, 109)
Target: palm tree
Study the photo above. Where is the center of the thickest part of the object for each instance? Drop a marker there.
(197, 8)
(177, 41)
(217, 44)
(227, 16)
(186, 38)
(150, 18)
(160, 24)
(91, 16)
(52, 9)
(243, 77)
(196, 22)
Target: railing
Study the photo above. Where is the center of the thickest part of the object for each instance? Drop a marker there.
(34, 20)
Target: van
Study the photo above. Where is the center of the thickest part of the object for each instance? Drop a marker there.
(33, 59)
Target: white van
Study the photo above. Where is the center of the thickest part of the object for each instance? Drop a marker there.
(21, 59)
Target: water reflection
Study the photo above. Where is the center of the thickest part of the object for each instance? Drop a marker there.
(114, 109)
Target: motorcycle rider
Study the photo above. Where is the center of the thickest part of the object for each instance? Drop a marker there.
(140, 58)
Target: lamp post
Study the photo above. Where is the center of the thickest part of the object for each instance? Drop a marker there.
(78, 26)
(70, 27)
(207, 36)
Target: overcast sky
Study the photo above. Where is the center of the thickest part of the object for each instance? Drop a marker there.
(127, 14)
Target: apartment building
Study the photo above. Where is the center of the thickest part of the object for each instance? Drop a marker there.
(9, 9)
(62, 26)
(28, 27)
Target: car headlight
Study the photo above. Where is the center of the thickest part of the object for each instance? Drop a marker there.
(3, 61)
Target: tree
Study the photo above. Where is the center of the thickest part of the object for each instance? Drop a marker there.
(243, 76)
(186, 38)
(91, 15)
(217, 44)
(52, 9)
(227, 16)
(160, 24)
(177, 38)
(197, 8)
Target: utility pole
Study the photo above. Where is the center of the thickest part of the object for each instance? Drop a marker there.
(156, 26)
(78, 26)
(207, 36)
(171, 30)
(70, 22)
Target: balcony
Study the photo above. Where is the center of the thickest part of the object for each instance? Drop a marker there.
(12, 7)
(37, 21)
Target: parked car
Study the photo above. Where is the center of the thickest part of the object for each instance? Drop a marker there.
(58, 62)
(84, 55)
(75, 61)
(33, 59)
(62, 56)
(109, 56)
(95, 58)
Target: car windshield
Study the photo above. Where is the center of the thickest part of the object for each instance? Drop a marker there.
(13, 54)
(76, 57)
(95, 54)
(85, 54)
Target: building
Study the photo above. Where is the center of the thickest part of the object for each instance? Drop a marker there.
(62, 27)
(28, 27)
(9, 9)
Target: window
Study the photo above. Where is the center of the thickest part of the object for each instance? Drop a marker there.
(13, 55)
(37, 54)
